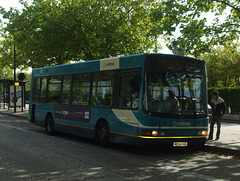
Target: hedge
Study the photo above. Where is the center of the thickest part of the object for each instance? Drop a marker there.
(231, 96)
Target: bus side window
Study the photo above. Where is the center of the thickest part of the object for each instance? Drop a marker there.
(36, 89)
(102, 89)
(129, 89)
(66, 92)
(54, 88)
(81, 89)
(43, 89)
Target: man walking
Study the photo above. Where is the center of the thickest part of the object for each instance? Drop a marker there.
(218, 110)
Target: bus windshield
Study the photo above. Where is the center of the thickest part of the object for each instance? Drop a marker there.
(175, 92)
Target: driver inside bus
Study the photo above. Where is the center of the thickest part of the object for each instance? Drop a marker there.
(135, 85)
(173, 101)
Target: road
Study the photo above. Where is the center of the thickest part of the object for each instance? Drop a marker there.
(27, 153)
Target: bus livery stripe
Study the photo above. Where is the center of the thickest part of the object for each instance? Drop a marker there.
(74, 126)
(150, 137)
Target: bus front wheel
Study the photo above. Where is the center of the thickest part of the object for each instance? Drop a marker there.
(49, 126)
(102, 134)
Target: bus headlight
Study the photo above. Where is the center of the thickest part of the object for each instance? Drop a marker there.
(153, 133)
(203, 133)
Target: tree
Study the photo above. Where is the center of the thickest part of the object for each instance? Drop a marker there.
(50, 32)
(6, 52)
(223, 66)
(200, 32)
(7, 56)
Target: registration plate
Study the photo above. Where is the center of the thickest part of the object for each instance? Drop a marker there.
(180, 144)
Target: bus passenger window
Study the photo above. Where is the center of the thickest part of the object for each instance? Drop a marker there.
(129, 89)
(66, 93)
(102, 89)
(81, 89)
(43, 90)
(36, 89)
(54, 88)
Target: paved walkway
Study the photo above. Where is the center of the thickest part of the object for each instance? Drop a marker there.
(18, 113)
(229, 141)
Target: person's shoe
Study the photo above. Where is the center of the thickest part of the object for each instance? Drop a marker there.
(217, 139)
(209, 138)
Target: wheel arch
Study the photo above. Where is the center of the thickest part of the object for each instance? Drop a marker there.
(47, 115)
(102, 132)
(100, 120)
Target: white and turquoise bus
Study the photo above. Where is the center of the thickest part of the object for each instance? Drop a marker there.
(143, 99)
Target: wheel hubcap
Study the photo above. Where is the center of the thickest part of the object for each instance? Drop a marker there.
(102, 134)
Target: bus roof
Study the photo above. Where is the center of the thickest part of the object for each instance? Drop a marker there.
(131, 61)
(125, 62)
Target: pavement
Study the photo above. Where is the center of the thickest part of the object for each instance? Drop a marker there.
(229, 142)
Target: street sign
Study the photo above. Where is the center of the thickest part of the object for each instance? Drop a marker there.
(16, 83)
(21, 76)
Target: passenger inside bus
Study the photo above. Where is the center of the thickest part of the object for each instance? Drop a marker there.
(173, 102)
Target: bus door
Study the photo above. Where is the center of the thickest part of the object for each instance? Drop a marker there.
(129, 101)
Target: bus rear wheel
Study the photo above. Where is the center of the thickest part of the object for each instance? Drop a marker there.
(49, 126)
(102, 134)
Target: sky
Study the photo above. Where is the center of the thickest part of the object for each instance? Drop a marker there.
(7, 4)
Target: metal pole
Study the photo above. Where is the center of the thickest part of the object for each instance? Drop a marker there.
(5, 95)
(14, 97)
(22, 96)
(1, 88)
(174, 44)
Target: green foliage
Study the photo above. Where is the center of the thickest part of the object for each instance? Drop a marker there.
(230, 96)
(234, 99)
(50, 32)
(202, 23)
(223, 66)
(7, 56)
(5, 70)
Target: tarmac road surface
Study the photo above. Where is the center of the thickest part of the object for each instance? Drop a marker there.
(28, 153)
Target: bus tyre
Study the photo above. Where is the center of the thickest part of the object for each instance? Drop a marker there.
(49, 127)
(102, 134)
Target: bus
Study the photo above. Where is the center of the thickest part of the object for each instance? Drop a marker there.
(142, 99)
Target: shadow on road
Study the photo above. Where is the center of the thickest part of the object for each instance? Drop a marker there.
(139, 150)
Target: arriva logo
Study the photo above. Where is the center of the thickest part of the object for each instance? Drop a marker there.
(181, 123)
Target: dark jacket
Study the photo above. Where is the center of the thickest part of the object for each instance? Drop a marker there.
(218, 107)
